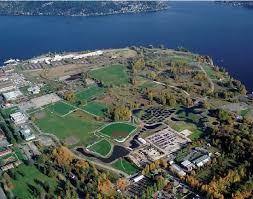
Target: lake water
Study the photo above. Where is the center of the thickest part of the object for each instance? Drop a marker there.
(221, 31)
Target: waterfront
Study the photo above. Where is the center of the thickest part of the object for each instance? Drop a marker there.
(221, 31)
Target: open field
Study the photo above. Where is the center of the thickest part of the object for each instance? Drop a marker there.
(125, 166)
(114, 74)
(102, 147)
(77, 125)
(60, 108)
(26, 177)
(210, 72)
(118, 130)
(89, 93)
(95, 108)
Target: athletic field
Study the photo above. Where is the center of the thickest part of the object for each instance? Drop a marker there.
(115, 74)
(95, 108)
(76, 127)
(118, 131)
(102, 147)
(125, 166)
(60, 108)
(89, 93)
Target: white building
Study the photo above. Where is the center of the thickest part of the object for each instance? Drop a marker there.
(34, 90)
(175, 168)
(188, 165)
(18, 118)
(12, 95)
(138, 178)
(201, 161)
(26, 133)
(142, 141)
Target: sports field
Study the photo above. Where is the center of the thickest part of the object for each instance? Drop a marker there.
(118, 131)
(76, 127)
(60, 108)
(89, 93)
(95, 108)
(115, 74)
(102, 147)
(125, 166)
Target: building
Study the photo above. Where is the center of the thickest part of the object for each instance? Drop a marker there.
(18, 118)
(26, 133)
(138, 178)
(142, 141)
(34, 90)
(6, 85)
(178, 170)
(202, 160)
(12, 95)
(187, 165)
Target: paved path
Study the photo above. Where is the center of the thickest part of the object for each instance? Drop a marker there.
(209, 79)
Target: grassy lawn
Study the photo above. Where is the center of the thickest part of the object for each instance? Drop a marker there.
(103, 147)
(76, 124)
(210, 72)
(196, 134)
(125, 166)
(60, 108)
(114, 74)
(244, 112)
(95, 108)
(148, 84)
(118, 130)
(89, 93)
(26, 178)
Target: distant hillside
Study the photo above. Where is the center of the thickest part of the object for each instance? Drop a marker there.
(246, 4)
(78, 8)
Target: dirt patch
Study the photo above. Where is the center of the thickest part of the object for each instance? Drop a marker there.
(39, 115)
(71, 140)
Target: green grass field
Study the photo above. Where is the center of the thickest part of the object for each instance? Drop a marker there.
(95, 108)
(26, 178)
(114, 74)
(89, 93)
(125, 166)
(60, 108)
(118, 131)
(210, 72)
(77, 124)
(102, 147)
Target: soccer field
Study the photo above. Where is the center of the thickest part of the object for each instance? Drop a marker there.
(95, 108)
(118, 131)
(125, 166)
(60, 108)
(115, 74)
(102, 147)
(77, 125)
(89, 93)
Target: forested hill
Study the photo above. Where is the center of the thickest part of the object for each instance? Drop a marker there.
(78, 8)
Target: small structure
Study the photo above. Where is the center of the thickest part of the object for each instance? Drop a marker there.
(178, 170)
(26, 133)
(201, 161)
(34, 90)
(12, 95)
(138, 178)
(142, 141)
(18, 118)
(188, 165)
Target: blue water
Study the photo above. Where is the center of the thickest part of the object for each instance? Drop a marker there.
(221, 31)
